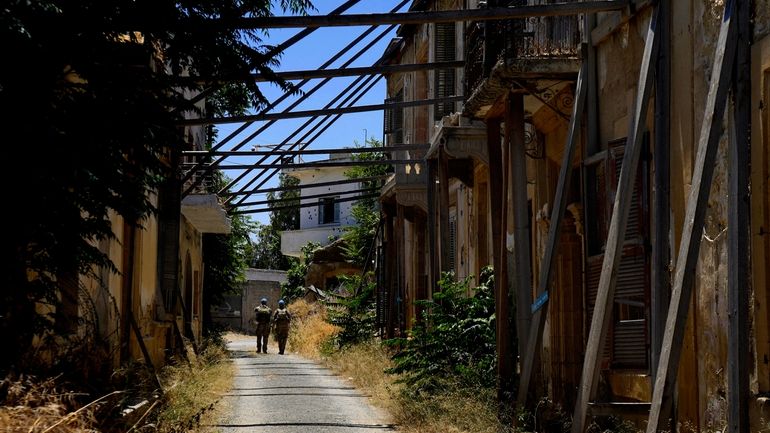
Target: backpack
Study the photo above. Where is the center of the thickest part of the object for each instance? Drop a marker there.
(282, 316)
(263, 314)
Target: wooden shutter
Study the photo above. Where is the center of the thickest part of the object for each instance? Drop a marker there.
(452, 242)
(444, 79)
(394, 120)
(627, 343)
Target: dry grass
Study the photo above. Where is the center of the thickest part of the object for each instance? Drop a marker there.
(192, 392)
(309, 329)
(471, 410)
(42, 406)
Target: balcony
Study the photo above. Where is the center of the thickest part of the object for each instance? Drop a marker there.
(201, 206)
(526, 49)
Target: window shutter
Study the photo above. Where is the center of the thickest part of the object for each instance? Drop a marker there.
(444, 79)
(321, 205)
(388, 122)
(627, 341)
(452, 242)
(394, 119)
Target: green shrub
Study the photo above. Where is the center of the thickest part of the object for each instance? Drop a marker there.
(357, 315)
(454, 343)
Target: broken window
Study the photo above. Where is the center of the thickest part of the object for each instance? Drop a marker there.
(328, 210)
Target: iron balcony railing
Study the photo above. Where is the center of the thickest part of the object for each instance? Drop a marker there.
(487, 43)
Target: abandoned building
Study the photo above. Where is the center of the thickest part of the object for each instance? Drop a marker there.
(574, 152)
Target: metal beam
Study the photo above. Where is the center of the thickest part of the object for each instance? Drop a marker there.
(283, 46)
(335, 151)
(317, 164)
(421, 17)
(360, 86)
(309, 74)
(321, 112)
(270, 209)
(617, 230)
(304, 197)
(554, 233)
(697, 203)
(286, 94)
(330, 120)
(305, 186)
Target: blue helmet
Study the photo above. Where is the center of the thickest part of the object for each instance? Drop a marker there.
(281, 303)
(264, 301)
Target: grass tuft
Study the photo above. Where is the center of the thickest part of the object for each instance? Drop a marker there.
(193, 390)
(453, 410)
(310, 331)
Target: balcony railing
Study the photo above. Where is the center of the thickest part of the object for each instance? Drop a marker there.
(526, 38)
(202, 179)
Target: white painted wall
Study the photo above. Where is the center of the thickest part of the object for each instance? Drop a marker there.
(311, 229)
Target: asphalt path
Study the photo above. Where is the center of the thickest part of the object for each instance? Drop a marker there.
(290, 394)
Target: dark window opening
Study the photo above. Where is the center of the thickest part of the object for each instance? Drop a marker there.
(328, 210)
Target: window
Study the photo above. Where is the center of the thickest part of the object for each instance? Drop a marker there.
(394, 120)
(328, 210)
(627, 343)
(444, 79)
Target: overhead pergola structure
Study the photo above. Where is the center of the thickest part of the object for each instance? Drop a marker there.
(730, 75)
(318, 121)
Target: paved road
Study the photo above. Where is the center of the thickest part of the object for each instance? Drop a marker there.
(289, 394)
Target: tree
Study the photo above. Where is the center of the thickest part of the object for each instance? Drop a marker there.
(282, 217)
(366, 212)
(92, 102)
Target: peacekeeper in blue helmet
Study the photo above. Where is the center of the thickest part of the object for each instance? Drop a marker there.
(263, 325)
(281, 322)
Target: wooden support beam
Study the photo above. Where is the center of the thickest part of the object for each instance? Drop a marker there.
(421, 17)
(554, 231)
(310, 74)
(697, 203)
(302, 205)
(401, 271)
(443, 210)
(321, 112)
(661, 202)
(433, 267)
(738, 226)
(522, 270)
(506, 365)
(602, 315)
(305, 186)
(338, 151)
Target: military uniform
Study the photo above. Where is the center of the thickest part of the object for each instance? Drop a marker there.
(281, 321)
(263, 327)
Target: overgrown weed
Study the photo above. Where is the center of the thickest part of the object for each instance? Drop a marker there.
(310, 331)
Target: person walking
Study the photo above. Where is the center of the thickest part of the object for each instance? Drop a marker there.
(263, 325)
(281, 322)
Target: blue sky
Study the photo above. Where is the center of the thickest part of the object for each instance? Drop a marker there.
(310, 53)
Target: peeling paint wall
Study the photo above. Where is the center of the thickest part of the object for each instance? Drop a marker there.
(695, 28)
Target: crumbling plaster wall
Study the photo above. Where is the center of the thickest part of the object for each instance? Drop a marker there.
(695, 28)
